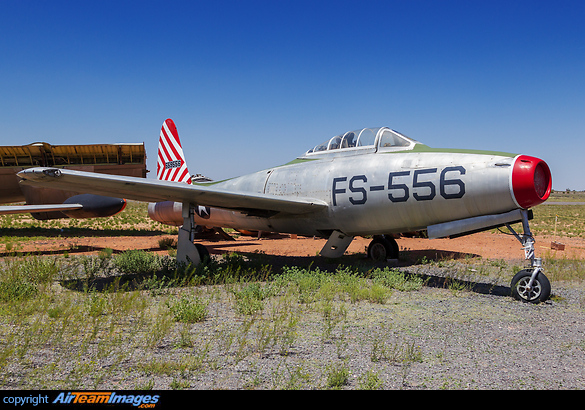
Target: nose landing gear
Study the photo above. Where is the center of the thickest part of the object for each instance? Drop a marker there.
(529, 285)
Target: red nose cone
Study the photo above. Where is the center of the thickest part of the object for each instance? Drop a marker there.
(531, 181)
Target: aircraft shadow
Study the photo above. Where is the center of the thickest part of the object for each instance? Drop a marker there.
(409, 259)
(76, 232)
(476, 287)
(361, 263)
(416, 257)
(70, 251)
(125, 282)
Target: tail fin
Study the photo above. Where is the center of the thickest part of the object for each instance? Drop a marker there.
(171, 165)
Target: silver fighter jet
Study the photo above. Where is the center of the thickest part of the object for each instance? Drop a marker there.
(369, 182)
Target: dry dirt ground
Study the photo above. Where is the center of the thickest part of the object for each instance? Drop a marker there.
(486, 245)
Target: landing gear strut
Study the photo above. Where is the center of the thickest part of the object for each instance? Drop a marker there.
(529, 285)
(383, 247)
(187, 251)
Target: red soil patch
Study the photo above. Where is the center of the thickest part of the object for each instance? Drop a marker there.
(486, 245)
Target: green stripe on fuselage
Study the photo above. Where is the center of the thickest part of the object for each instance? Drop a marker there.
(210, 183)
(426, 148)
(300, 161)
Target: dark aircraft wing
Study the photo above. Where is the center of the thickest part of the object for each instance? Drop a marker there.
(24, 209)
(141, 189)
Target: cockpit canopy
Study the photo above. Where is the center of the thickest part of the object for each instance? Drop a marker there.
(371, 139)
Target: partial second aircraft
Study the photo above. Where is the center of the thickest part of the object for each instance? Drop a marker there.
(369, 182)
(46, 203)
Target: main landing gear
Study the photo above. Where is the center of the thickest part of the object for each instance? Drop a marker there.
(529, 285)
(187, 251)
(383, 247)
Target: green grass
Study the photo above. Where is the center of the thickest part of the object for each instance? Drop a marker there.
(563, 268)
(189, 309)
(569, 219)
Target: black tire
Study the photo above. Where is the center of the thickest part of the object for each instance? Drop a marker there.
(393, 250)
(540, 291)
(203, 252)
(382, 248)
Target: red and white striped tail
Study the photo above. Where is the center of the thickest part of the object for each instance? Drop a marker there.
(171, 165)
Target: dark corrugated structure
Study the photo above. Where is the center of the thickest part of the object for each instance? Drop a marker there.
(116, 159)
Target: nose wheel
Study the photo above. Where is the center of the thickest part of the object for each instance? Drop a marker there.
(529, 285)
(523, 289)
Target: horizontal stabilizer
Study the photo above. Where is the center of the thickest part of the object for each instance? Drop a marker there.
(24, 209)
(468, 226)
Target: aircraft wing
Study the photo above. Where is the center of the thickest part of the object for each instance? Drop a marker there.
(25, 209)
(142, 189)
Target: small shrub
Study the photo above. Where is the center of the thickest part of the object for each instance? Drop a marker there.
(379, 293)
(137, 261)
(370, 381)
(15, 290)
(250, 299)
(96, 304)
(167, 243)
(337, 376)
(92, 266)
(188, 310)
(21, 278)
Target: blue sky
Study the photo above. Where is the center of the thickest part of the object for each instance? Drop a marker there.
(252, 84)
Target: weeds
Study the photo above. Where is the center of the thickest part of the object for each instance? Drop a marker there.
(386, 347)
(395, 279)
(21, 279)
(250, 298)
(189, 310)
(337, 375)
(137, 261)
(311, 285)
(369, 381)
(564, 268)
